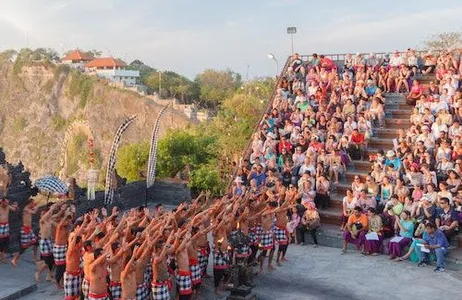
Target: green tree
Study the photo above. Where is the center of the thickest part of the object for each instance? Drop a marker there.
(132, 159)
(216, 86)
(207, 177)
(444, 41)
(179, 148)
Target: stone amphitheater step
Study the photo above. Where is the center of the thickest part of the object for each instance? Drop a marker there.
(381, 143)
(385, 133)
(397, 123)
(336, 200)
(360, 166)
(331, 216)
(398, 113)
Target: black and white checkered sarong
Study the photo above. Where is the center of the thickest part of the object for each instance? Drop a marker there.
(85, 288)
(45, 247)
(160, 291)
(28, 237)
(116, 290)
(71, 285)
(59, 254)
(195, 273)
(4, 230)
(142, 292)
(281, 235)
(183, 282)
(266, 240)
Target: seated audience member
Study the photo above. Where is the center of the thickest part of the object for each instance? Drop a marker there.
(447, 219)
(373, 246)
(415, 93)
(356, 145)
(312, 222)
(406, 232)
(355, 229)
(433, 242)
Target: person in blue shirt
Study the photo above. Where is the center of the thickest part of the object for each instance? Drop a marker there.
(436, 242)
(371, 88)
(393, 159)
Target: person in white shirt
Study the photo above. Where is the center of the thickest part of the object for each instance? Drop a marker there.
(438, 127)
(438, 105)
(455, 129)
(412, 60)
(396, 60)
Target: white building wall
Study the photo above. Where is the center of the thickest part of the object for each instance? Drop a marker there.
(128, 77)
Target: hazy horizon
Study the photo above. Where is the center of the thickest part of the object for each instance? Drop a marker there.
(190, 36)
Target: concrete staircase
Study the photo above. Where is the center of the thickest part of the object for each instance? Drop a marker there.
(397, 115)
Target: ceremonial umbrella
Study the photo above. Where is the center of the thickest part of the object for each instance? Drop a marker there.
(51, 185)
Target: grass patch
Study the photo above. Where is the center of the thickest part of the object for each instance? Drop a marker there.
(59, 123)
(48, 86)
(19, 124)
(80, 85)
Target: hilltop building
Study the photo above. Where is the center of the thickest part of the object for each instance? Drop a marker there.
(113, 70)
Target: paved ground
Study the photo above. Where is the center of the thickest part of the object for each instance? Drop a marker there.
(310, 274)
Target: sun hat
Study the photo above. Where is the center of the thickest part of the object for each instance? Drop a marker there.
(390, 153)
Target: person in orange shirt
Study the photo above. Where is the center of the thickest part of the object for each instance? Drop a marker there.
(355, 229)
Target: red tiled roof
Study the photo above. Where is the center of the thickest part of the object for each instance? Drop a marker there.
(105, 62)
(77, 55)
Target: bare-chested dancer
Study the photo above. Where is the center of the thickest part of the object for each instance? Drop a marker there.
(88, 258)
(220, 250)
(281, 233)
(72, 275)
(45, 243)
(5, 208)
(128, 278)
(183, 277)
(97, 276)
(161, 283)
(267, 236)
(143, 256)
(28, 237)
(60, 246)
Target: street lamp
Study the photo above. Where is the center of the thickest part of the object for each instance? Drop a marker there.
(160, 84)
(271, 56)
(292, 31)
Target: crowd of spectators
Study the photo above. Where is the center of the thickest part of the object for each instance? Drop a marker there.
(323, 117)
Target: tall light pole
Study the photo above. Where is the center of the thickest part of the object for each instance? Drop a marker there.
(271, 56)
(160, 84)
(292, 31)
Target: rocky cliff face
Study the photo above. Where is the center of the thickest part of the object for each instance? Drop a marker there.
(38, 102)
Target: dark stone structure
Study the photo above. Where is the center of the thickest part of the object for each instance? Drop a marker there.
(170, 192)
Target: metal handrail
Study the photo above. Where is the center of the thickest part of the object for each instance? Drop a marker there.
(341, 56)
(246, 151)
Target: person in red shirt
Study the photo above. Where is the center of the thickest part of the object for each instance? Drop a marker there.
(327, 63)
(284, 144)
(357, 141)
(415, 93)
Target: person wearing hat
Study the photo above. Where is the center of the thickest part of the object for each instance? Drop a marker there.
(396, 60)
(438, 104)
(371, 88)
(238, 188)
(392, 159)
(429, 63)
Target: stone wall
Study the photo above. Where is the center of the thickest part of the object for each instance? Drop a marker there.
(131, 195)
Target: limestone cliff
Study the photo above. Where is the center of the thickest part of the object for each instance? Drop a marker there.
(39, 101)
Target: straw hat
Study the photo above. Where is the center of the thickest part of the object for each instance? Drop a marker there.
(390, 153)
